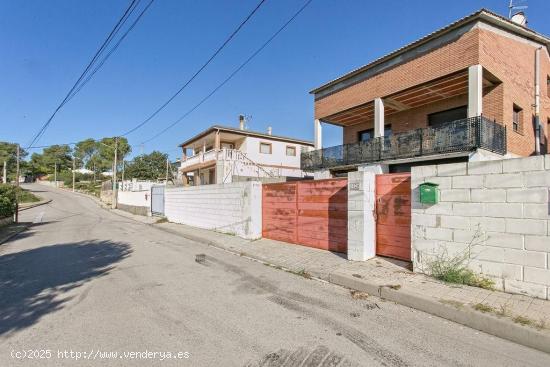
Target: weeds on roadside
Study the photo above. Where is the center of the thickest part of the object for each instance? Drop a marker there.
(523, 320)
(482, 307)
(358, 294)
(454, 268)
(303, 273)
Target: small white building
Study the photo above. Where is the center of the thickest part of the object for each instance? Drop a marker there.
(224, 154)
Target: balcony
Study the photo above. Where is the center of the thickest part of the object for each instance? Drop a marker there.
(456, 136)
(211, 156)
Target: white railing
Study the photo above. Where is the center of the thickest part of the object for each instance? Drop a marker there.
(236, 163)
(200, 157)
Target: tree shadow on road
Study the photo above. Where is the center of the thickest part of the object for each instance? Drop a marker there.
(33, 282)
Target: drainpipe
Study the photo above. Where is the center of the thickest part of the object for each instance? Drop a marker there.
(537, 101)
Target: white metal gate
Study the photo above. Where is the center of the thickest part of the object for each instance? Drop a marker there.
(157, 200)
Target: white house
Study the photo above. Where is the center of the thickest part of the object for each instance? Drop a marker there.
(224, 154)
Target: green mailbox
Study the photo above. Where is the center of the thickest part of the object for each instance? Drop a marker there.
(429, 193)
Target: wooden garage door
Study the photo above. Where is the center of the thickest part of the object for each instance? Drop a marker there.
(393, 215)
(310, 213)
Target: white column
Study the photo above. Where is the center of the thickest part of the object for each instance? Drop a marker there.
(318, 134)
(475, 90)
(361, 216)
(378, 117)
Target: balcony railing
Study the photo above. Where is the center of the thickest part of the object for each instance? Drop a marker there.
(456, 136)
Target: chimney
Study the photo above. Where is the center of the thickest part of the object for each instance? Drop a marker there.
(241, 122)
(519, 18)
(269, 130)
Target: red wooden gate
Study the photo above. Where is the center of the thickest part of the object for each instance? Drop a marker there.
(309, 213)
(393, 215)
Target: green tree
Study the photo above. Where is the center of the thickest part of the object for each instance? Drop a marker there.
(106, 152)
(36, 165)
(8, 154)
(84, 150)
(147, 166)
(56, 154)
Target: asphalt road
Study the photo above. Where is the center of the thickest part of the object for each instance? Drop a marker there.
(86, 287)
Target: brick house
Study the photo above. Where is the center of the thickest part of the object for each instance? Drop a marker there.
(465, 92)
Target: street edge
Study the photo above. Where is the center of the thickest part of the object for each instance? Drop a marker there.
(44, 202)
(484, 322)
(9, 237)
(488, 323)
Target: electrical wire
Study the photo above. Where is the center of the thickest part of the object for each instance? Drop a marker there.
(120, 23)
(212, 57)
(250, 58)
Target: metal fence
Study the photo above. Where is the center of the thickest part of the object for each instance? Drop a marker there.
(157, 200)
(456, 136)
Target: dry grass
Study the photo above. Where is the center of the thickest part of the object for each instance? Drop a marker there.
(451, 302)
(358, 294)
(482, 307)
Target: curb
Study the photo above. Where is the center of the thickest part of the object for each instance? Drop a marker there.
(36, 204)
(485, 322)
(488, 323)
(6, 239)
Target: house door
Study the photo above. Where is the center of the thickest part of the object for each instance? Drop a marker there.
(393, 215)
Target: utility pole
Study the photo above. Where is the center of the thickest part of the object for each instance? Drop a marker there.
(17, 185)
(114, 200)
(167, 165)
(5, 176)
(73, 171)
(123, 167)
(55, 173)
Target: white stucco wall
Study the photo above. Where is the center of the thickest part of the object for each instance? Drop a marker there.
(134, 198)
(499, 210)
(278, 157)
(234, 208)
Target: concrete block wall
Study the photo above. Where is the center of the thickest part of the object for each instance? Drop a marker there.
(234, 208)
(136, 202)
(498, 212)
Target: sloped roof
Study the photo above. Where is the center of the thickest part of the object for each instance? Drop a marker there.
(482, 14)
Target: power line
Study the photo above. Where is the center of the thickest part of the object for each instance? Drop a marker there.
(105, 43)
(232, 74)
(231, 36)
(113, 49)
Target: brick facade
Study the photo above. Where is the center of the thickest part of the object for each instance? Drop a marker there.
(508, 57)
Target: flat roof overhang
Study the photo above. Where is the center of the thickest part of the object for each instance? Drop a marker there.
(449, 86)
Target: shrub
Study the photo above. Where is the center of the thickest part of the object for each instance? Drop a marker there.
(7, 200)
(25, 196)
(454, 269)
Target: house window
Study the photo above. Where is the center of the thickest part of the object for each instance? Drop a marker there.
(265, 148)
(548, 86)
(368, 134)
(227, 146)
(291, 151)
(517, 119)
(442, 118)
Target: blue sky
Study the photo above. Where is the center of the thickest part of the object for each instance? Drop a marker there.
(46, 44)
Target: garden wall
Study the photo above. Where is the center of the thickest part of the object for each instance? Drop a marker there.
(234, 208)
(497, 213)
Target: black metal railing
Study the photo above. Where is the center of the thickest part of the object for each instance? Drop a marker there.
(455, 136)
